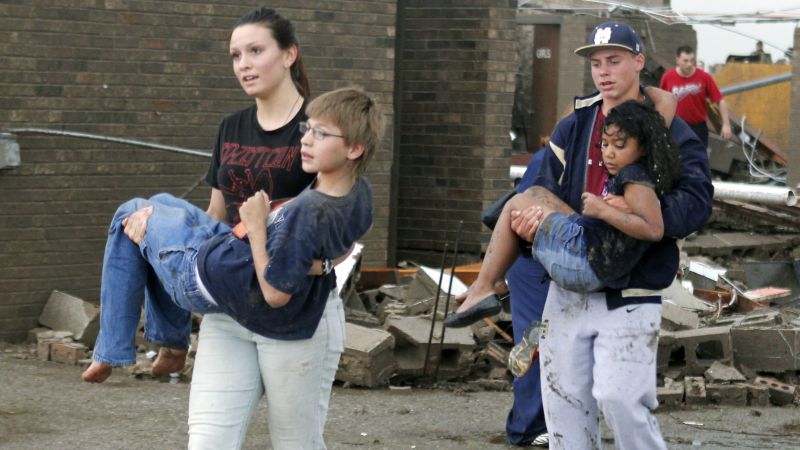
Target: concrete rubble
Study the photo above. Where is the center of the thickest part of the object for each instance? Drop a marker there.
(730, 330)
(731, 323)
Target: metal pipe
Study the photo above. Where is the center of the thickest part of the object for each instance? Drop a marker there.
(770, 195)
(447, 299)
(753, 84)
(723, 190)
(98, 137)
(435, 310)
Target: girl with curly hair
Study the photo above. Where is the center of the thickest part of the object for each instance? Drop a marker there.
(598, 248)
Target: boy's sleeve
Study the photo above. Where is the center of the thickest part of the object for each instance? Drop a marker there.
(687, 207)
(292, 246)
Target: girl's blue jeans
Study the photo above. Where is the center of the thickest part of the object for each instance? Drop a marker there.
(560, 247)
(159, 272)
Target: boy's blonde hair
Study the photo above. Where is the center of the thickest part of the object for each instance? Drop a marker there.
(354, 112)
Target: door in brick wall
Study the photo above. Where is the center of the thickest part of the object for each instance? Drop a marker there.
(545, 80)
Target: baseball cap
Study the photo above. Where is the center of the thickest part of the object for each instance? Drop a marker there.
(611, 34)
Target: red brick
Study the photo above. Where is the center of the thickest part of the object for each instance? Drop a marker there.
(67, 353)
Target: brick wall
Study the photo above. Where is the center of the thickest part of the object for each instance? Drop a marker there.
(150, 70)
(456, 72)
(793, 176)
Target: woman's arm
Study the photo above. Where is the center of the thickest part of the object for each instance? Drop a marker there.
(644, 222)
(216, 205)
(254, 214)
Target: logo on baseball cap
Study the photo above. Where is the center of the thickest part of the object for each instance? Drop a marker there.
(611, 34)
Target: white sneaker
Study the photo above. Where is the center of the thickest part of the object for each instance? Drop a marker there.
(542, 440)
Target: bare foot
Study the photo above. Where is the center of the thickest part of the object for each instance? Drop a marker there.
(96, 373)
(169, 360)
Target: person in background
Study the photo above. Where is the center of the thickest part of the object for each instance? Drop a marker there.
(693, 86)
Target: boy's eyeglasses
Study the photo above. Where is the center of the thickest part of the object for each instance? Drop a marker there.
(316, 133)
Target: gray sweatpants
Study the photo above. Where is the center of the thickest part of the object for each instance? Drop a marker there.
(595, 359)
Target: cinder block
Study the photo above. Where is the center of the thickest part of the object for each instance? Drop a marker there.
(757, 394)
(727, 394)
(454, 356)
(695, 388)
(368, 358)
(671, 394)
(779, 393)
(697, 349)
(67, 353)
(767, 349)
(66, 312)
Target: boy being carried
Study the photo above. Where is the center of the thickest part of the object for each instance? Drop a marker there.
(262, 279)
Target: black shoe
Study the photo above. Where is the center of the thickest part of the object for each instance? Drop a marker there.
(487, 307)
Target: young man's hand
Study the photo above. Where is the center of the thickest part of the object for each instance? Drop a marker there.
(254, 212)
(136, 224)
(525, 222)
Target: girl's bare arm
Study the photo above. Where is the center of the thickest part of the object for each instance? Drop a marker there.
(643, 222)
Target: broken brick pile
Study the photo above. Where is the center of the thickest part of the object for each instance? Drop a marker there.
(721, 341)
(724, 342)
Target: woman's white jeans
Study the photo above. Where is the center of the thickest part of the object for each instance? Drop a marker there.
(234, 367)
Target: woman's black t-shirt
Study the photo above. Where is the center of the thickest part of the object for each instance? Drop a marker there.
(248, 159)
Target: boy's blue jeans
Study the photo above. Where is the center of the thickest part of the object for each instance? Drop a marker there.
(559, 246)
(160, 271)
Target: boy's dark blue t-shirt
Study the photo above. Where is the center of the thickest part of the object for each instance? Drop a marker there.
(612, 253)
(311, 226)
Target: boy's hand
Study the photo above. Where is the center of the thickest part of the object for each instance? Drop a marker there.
(593, 205)
(254, 212)
(136, 224)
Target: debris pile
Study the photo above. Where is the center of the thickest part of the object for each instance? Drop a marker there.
(730, 330)
(730, 335)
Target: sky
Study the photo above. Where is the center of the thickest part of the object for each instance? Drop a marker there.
(715, 43)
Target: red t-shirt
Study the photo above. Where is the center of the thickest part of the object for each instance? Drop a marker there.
(692, 93)
(596, 173)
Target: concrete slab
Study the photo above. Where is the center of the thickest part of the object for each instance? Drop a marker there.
(721, 244)
(767, 349)
(368, 358)
(66, 312)
(674, 318)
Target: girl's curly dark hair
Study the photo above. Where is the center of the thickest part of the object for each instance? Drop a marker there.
(635, 119)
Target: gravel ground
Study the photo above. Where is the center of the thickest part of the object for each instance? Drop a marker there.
(44, 405)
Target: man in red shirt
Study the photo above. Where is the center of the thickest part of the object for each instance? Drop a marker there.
(692, 86)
